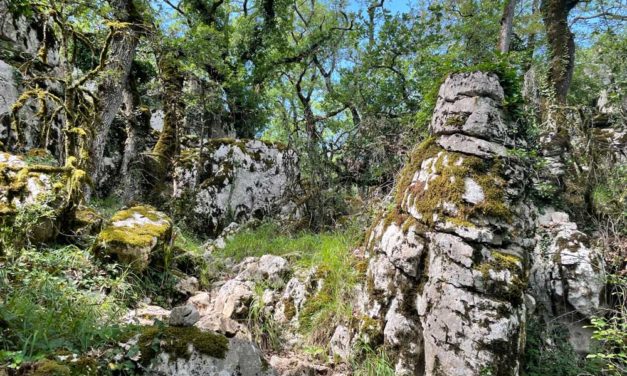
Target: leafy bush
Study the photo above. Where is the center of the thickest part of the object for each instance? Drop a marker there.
(611, 331)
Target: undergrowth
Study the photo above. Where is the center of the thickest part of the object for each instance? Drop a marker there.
(548, 352)
(327, 253)
(57, 300)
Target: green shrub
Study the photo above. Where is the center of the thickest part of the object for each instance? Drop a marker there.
(611, 331)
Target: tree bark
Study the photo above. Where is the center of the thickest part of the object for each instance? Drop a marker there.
(561, 44)
(172, 83)
(137, 133)
(114, 80)
(507, 24)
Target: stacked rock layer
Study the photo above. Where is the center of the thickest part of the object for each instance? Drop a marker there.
(449, 261)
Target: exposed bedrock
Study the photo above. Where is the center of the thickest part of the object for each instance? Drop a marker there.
(449, 261)
(233, 180)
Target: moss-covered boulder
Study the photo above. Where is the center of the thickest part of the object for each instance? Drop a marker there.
(137, 237)
(34, 200)
(191, 351)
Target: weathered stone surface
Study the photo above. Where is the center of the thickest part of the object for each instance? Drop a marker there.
(471, 145)
(39, 188)
(340, 343)
(185, 315)
(233, 298)
(268, 268)
(567, 277)
(146, 315)
(21, 40)
(242, 358)
(136, 236)
(475, 84)
(238, 180)
(448, 265)
(187, 285)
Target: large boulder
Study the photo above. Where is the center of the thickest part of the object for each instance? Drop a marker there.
(189, 351)
(36, 189)
(449, 260)
(235, 180)
(137, 237)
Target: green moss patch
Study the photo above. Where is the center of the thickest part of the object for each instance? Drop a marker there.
(176, 341)
(502, 261)
(140, 235)
(447, 186)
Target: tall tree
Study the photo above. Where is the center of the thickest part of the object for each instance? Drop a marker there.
(507, 24)
(114, 81)
(561, 44)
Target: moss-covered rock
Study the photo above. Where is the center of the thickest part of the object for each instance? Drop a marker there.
(136, 236)
(35, 200)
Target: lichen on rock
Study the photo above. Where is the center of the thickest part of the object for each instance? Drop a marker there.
(235, 180)
(449, 261)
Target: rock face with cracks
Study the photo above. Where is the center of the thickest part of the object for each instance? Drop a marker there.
(449, 262)
(567, 277)
(235, 180)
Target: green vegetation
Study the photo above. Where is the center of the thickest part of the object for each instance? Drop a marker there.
(611, 330)
(328, 253)
(547, 352)
(374, 363)
(53, 301)
(265, 330)
(176, 341)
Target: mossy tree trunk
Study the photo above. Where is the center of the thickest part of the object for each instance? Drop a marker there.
(137, 118)
(172, 91)
(114, 81)
(561, 44)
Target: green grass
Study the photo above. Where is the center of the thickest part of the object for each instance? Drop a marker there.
(374, 363)
(52, 301)
(328, 252)
(187, 241)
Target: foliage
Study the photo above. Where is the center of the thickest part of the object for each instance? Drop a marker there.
(54, 299)
(265, 330)
(611, 330)
(548, 352)
(374, 363)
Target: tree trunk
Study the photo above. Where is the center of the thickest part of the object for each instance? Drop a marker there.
(172, 83)
(561, 44)
(137, 132)
(507, 24)
(114, 80)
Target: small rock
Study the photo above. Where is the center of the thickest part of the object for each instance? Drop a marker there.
(340, 342)
(146, 315)
(233, 298)
(186, 315)
(187, 286)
